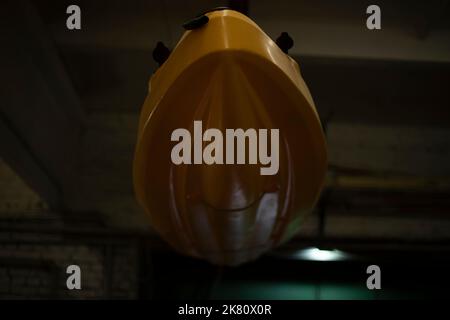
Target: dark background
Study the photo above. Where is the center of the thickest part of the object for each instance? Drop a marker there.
(68, 119)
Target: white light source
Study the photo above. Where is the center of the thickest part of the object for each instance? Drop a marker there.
(316, 254)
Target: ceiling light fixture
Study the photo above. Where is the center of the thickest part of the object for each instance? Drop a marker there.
(316, 254)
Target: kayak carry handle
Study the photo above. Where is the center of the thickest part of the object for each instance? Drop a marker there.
(160, 53)
(285, 42)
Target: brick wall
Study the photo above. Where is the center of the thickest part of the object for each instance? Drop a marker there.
(37, 245)
(33, 264)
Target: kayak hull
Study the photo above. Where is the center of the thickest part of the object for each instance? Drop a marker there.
(228, 74)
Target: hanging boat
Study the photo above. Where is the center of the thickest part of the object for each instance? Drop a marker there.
(226, 73)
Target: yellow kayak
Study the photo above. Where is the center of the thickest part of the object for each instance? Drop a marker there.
(226, 80)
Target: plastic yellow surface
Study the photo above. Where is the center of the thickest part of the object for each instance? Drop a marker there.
(228, 74)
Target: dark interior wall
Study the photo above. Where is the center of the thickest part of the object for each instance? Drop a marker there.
(35, 254)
